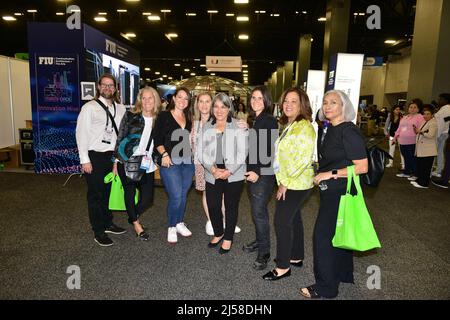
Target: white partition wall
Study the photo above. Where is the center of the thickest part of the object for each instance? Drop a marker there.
(21, 97)
(6, 117)
(15, 99)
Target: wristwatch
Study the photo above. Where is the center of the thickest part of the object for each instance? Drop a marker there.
(334, 172)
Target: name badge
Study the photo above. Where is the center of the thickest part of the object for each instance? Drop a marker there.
(107, 135)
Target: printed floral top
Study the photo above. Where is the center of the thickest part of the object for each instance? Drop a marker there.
(294, 156)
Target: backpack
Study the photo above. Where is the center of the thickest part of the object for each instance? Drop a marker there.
(377, 159)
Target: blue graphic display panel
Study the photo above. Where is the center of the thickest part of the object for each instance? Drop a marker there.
(56, 112)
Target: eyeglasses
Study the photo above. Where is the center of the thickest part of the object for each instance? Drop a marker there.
(107, 85)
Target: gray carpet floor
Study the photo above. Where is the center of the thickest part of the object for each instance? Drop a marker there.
(44, 229)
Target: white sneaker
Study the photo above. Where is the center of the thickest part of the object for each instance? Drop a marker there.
(436, 174)
(209, 229)
(172, 235)
(183, 230)
(412, 178)
(402, 175)
(389, 165)
(415, 184)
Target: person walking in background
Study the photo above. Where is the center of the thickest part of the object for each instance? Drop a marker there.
(426, 148)
(442, 131)
(294, 151)
(260, 175)
(241, 113)
(222, 150)
(172, 129)
(406, 137)
(96, 135)
(139, 121)
(342, 146)
(391, 126)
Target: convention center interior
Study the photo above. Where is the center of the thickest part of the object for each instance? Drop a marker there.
(228, 150)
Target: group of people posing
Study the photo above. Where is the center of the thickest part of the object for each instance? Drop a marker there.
(422, 134)
(223, 153)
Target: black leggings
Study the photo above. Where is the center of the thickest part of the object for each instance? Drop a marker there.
(145, 186)
(231, 191)
(289, 227)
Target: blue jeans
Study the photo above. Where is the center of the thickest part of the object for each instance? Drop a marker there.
(177, 181)
(260, 193)
(408, 151)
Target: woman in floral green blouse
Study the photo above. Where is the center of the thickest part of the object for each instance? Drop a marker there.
(294, 173)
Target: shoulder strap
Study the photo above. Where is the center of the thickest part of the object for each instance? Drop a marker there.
(109, 115)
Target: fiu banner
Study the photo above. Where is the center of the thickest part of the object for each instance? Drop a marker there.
(55, 112)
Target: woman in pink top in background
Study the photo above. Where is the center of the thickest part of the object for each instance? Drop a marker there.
(406, 136)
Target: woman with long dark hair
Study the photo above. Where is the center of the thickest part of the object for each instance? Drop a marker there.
(172, 131)
(260, 176)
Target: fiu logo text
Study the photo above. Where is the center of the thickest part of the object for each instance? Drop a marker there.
(111, 46)
(46, 60)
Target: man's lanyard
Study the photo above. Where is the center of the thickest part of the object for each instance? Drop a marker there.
(109, 115)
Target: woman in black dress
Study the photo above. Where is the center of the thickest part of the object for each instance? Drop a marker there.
(342, 146)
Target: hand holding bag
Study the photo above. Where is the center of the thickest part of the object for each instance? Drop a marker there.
(117, 195)
(132, 166)
(354, 228)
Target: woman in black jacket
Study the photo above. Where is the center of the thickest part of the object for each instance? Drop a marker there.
(135, 139)
(260, 175)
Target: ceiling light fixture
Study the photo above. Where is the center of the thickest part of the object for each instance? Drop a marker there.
(243, 37)
(153, 18)
(191, 14)
(103, 13)
(146, 13)
(32, 11)
(213, 11)
(321, 19)
(166, 10)
(147, 69)
(390, 41)
(157, 72)
(100, 19)
(241, 1)
(177, 64)
(121, 10)
(9, 18)
(60, 13)
(230, 14)
(18, 14)
(242, 18)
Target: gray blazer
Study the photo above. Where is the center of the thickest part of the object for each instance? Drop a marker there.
(234, 150)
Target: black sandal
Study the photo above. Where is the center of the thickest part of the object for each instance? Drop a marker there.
(143, 236)
(312, 294)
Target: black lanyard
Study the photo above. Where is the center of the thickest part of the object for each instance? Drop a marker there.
(109, 115)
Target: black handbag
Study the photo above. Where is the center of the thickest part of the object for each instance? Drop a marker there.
(133, 169)
(132, 166)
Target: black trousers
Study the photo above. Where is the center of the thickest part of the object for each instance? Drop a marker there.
(289, 227)
(424, 165)
(98, 192)
(331, 265)
(231, 191)
(145, 186)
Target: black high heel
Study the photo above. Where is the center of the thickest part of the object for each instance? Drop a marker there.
(224, 251)
(143, 236)
(213, 245)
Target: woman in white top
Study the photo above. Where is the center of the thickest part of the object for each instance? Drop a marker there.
(136, 128)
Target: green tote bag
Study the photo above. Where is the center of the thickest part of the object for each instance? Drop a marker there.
(117, 195)
(354, 228)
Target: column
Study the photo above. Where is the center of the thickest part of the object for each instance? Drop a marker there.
(303, 60)
(430, 62)
(336, 29)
